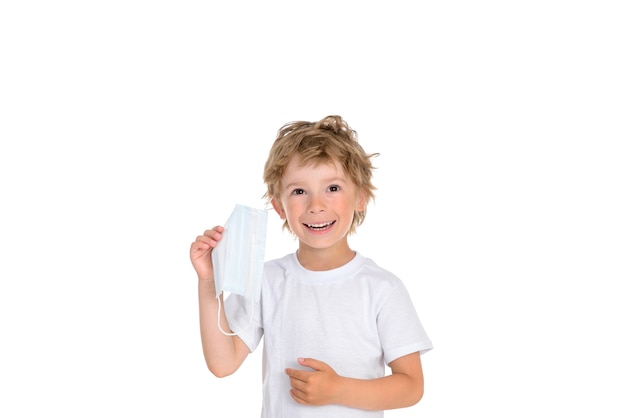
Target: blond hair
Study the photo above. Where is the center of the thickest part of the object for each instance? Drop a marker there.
(323, 142)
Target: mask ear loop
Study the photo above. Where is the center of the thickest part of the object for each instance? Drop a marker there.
(219, 317)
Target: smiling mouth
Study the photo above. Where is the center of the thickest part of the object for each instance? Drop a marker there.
(320, 227)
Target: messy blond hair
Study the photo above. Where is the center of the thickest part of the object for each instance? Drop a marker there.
(326, 141)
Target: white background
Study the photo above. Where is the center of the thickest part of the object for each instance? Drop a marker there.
(129, 127)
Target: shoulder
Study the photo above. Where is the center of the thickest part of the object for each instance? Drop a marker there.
(379, 282)
(280, 264)
(381, 275)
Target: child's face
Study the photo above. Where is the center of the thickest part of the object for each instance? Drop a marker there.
(318, 202)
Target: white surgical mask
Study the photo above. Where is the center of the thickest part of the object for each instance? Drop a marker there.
(239, 256)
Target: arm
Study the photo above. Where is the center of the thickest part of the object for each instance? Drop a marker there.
(322, 386)
(223, 354)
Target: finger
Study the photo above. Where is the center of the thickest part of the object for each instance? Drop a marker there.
(197, 247)
(202, 245)
(295, 397)
(298, 386)
(313, 364)
(215, 231)
(295, 374)
(210, 236)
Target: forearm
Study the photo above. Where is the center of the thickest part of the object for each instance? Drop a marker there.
(389, 392)
(223, 353)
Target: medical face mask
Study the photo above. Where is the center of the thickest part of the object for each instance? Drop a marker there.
(239, 256)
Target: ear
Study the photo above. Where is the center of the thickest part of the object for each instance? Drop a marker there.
(361, 202)
(278, 207)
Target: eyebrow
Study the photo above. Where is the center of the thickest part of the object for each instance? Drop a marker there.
(329, 180)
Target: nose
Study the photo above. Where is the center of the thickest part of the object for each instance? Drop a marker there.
(316, 204)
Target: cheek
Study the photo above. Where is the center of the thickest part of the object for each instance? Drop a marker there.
(294, 207)
(286, 208)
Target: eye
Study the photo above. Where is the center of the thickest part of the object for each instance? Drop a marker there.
(297, 191)
(333, 188)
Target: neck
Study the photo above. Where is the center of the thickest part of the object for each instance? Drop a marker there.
(316, 259)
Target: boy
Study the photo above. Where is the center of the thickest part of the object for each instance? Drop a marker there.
(330, 317)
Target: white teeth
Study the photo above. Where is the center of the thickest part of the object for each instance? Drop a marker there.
(319, 226)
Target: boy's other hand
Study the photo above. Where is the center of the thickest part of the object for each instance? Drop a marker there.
(321, 386)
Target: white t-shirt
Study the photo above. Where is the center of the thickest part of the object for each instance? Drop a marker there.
(355, 318)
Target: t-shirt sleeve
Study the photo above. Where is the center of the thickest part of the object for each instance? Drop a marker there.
(399, 327)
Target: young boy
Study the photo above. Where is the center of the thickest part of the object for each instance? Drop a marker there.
(330, 317)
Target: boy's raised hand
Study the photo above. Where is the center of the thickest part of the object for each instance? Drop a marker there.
(200, 252)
